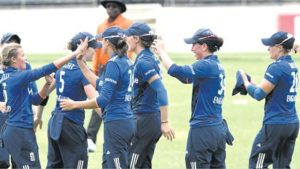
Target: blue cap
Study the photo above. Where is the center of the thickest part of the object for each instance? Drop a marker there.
(239, 85)
(280, 38)
(111, 32)
(9, 37)
(199, 35)
(139, 29)
(119, 2)
(81, 36)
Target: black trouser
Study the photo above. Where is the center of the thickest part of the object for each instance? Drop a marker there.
(274, 144)
(206, 148)
(144, 141)
(4, 156)
(70, 150)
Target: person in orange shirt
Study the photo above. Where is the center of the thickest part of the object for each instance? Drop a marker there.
(114, 9)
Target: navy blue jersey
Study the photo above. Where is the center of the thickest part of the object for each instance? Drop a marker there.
(144, 97)
(280, 103)
(33, 84)
(18, 93)
(115, 94)
(70, 84)
(1, 88)
(207, 76)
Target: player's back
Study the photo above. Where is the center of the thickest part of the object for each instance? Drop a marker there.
(70, 84)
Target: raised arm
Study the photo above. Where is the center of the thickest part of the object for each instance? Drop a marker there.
(89, 75)
(81, 50)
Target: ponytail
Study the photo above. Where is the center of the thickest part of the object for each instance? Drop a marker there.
(119, 45)
(147, 40)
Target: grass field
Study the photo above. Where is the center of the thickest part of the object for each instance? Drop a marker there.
(243, 114)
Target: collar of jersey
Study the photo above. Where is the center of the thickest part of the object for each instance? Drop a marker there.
(11, 69)
(213, 57)
(143, 53)
(286, 57)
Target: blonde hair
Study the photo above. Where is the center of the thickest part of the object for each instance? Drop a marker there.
(8, 52)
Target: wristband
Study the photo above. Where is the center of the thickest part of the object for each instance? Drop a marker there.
(164, 122)
(45, 101)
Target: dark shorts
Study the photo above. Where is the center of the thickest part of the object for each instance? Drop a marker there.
(69, 148)
(118, 135)
(144, 142)
(206, 147)
(274, 144)
(21, 144)
(4, 156)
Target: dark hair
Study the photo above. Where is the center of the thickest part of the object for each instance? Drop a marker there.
(119, 44)
(147, 40)
(9, 51)
(213, 43)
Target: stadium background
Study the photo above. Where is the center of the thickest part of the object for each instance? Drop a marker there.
(45, 27)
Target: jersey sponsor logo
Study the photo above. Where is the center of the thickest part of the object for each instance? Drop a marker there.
(110, 80)
(271, 76)
(149, 71)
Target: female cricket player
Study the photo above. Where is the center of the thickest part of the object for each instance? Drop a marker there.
(67, 138)
(275, 142)
(206, 139)
(19, 137)
(150, 100)
(114, 97)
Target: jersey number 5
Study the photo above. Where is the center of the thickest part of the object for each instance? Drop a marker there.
(61, 80)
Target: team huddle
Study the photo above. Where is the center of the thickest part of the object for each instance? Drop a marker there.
(130, 97)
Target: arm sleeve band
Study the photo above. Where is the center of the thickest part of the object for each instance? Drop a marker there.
(256, 92)
(45, 101)
(162, 95)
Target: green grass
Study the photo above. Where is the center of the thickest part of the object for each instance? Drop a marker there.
(243, 114)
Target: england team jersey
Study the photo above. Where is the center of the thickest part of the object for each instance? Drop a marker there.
(144, 97)
(280, 103)
(18, 94)
(115, 93)
(207, 76)
(70, 84)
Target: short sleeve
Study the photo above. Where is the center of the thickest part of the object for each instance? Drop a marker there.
(146, 69)
(273, 73)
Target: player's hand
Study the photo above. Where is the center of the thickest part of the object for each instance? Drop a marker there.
(49, 79)
(37, 122)
(67, 104)
(167, 131)
(3, 107)
(158, 47)
(81, 49)
(297, 48)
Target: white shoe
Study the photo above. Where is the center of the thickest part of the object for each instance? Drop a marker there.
(91, 145)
